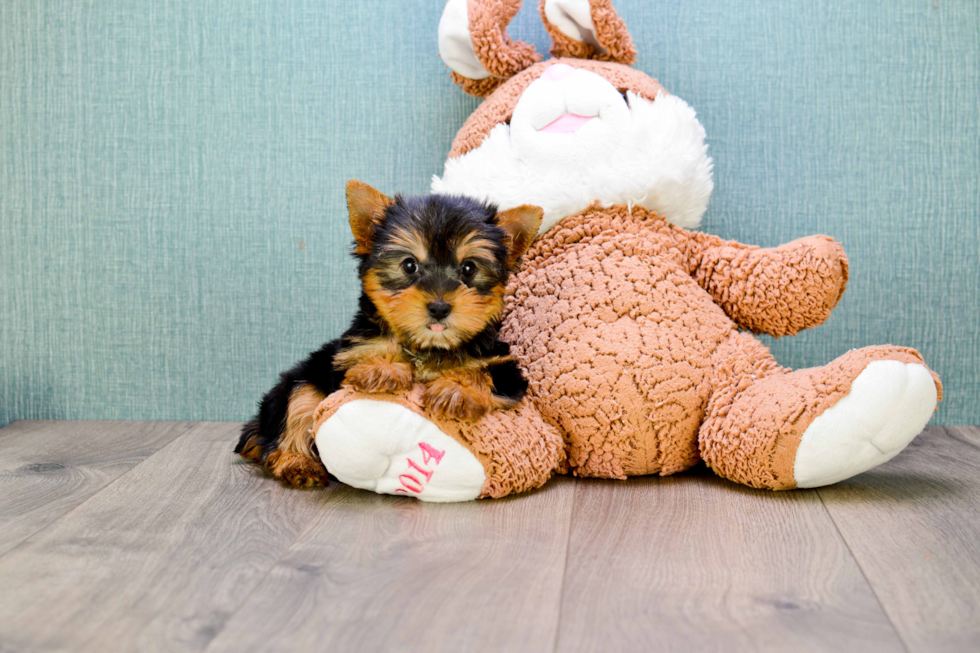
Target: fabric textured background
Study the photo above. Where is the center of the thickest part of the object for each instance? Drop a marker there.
(172, 223)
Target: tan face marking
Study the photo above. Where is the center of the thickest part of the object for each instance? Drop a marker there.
(406, 313)
(473, 311)
(477, 248)
(410, 242)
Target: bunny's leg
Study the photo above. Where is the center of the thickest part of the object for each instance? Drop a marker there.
(388, 444)
(771, 428)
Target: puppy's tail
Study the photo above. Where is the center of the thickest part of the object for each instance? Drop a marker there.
(248, 445)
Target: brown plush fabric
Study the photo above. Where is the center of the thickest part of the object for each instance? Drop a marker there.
(619, 321)
(477, 87)
(563, 45)
(499, 106)
(518, 450)
(616, 340)
(502, 57)
(610, 30)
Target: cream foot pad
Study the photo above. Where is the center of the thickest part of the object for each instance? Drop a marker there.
(388, 449)
(889, 404)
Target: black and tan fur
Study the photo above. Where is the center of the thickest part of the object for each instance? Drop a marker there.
(427, 261)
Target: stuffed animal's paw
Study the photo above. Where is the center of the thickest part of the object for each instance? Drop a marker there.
(387, 448)
(889, 403)
(392, 445)
(379, 376)
(458, 396)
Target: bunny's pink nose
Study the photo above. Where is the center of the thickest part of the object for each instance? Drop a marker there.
(557, 72)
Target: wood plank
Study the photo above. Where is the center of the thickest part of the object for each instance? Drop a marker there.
(967, 434)
(381, 573)
(47, 468)
(695, 563)
(156, 561)
(913, 525)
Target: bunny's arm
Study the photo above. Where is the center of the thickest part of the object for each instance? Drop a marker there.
(779, 290)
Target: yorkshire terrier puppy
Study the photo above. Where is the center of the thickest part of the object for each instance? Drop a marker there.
(433, 271)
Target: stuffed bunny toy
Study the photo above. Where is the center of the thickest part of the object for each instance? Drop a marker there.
(631, 326)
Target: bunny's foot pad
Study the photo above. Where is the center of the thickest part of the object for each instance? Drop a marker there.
(386, 448)
(888, 405)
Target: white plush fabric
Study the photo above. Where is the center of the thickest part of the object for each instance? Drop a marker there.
(368, 444)
(574, 19)
(455, 44)
(635, 151)
(890, 403)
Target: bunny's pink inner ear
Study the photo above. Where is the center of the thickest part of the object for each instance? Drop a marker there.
(587, 29)
(478, 49)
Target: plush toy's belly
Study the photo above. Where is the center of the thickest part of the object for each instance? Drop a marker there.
(617, 346)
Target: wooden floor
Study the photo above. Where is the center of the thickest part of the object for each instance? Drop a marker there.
(146, 536)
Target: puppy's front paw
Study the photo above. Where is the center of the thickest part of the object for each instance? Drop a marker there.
(298, 469)
(379, 376)
(458, 397)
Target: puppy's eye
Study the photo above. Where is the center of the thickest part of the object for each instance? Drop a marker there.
(410, 266)
(468, 269)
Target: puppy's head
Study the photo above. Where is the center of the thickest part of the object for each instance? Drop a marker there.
(436, 266)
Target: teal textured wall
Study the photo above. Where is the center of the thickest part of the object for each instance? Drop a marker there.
(172, 228)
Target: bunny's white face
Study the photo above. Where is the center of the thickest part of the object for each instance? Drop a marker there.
(574, 139)
(568, 116)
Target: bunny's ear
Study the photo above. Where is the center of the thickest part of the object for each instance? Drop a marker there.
(587, 29)
(473, 42)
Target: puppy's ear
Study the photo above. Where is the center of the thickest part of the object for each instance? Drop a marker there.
(520, 223)
(367, 208)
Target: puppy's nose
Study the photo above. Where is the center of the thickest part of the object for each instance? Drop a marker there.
(439, 309)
